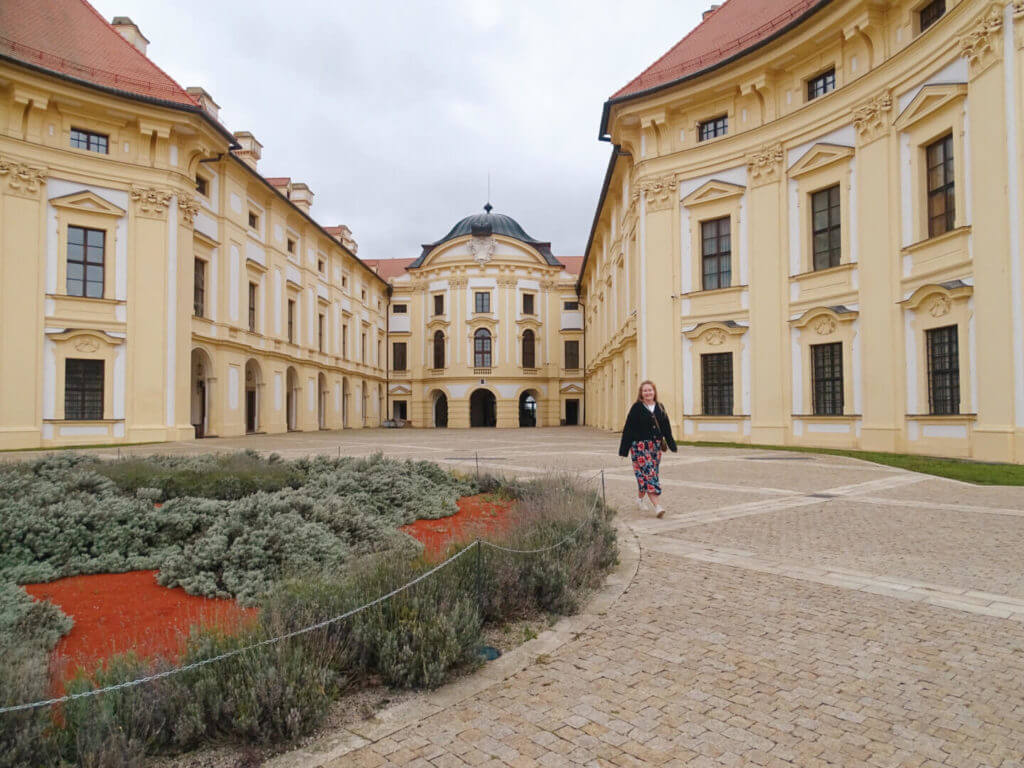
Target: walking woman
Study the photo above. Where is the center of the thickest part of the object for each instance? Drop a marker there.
(646, 435)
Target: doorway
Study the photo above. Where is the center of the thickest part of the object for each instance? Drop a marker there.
(440, 410)
(572, 412)
(483, 409)
(528, 409)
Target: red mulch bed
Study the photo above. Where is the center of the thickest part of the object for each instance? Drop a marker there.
(118, 612)
(477, 516)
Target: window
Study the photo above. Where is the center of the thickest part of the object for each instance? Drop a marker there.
(93, 142)
(716, 250)
(572, 355)
(252, 307)
(199, 289)
(291, 321)
(529, 356)
(943, 370)
(362, 348)
(83, 390)
(483, 301)
(399, 309)
(941, 187)
(362, 294)
(320, 332)
(716, 383)
(827, 379)
(931, 13)
(290, 245)
(400, 410)
(439, 304)
(482, 347)
(320, 266)
(826, 230)
(344, 281)
(438, 349)
(570, 306)
(710, 129)
(398, 355)
(202, 186)
(822, 84)
(377, 359)
(344, 341)
(85, 262)
(527, 303)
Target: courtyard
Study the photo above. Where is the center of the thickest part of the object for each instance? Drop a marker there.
(790, 609)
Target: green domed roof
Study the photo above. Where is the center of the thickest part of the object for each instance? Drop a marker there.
(484, 225)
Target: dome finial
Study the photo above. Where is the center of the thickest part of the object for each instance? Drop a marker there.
(488, 207)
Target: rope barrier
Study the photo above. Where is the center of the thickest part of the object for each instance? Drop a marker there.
(319, 625)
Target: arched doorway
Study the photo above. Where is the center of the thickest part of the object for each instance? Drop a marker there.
(344, 403)
(528, 409)
(440, 410)
(321, 401)
(291, 403)
(202, 370)
(253, 384)
(483, 409)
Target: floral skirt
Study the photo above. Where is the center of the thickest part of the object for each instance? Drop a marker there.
(646, 460)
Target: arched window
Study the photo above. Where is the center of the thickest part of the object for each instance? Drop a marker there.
(439, 349)
(482, 348)
(529, 359)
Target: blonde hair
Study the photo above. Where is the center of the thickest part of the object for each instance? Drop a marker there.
(639, 392)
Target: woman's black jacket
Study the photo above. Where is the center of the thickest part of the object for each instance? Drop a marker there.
(640, 425)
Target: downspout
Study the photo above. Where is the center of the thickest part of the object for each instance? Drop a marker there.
(583, 316)
(387, 354)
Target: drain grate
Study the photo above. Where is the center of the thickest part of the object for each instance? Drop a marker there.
(823, 495)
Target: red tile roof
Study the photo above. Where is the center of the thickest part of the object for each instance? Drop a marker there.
(735, 27)
(388, 268)
(70, 37)
(572, 263)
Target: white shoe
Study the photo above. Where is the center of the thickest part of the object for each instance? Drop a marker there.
(660, 510)
(640, 503)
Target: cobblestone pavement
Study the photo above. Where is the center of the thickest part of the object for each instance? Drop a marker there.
(789, 610)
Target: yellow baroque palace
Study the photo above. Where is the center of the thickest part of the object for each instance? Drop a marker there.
(811, 235)
(485, 330)
(153, 284)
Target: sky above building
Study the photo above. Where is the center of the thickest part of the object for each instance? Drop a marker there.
(395, 113)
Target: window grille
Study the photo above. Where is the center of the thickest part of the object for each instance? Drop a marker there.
(827, 379)
(83, 390)
(716, 383)
(943, 370)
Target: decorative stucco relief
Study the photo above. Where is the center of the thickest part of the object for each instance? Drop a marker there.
(825, 326)
(765, 165)
(981, 45)
(661, 192)
(21, 178)
(940, 306)
(151, 201)
(871, 119)
(87, 344)
(188, 207)
(715, 338)
(482, 249)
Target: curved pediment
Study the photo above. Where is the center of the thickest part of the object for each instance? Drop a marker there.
(485, 251)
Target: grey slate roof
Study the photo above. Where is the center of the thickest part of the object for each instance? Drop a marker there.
(485, 224)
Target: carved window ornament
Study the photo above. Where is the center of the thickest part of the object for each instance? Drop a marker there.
(660, 192)
(824, 321)
(188, 207)
(151, 201)
(871, 119)
(938, 299)
(765, 165)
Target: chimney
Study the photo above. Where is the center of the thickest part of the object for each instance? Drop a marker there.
(301, 195)
(251, 149)
(211, 107)
(710, 10)
(127, 29)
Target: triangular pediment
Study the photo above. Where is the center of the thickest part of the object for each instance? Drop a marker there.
(928, 100)
(88, 202)
(819, 156)
(571, 389)
(713, 191)
(401, 389)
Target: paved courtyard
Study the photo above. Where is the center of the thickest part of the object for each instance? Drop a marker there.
(789, 610)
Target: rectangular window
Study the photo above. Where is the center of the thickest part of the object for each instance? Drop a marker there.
(822, 84)
(252, 307)
(344, 281)
(254, 221)
(362, 348)
(202, 186)
(199, 289)
(320, 264)
(527, 303)
(826, 229)
(83, 390)
(572, 355)
(716, 383)
(439, 304)
(344, 342)
(827, 379)
(570, 306)
(399, 309)
(85, 262)
(941, 186)
(362, 295)
(943, 370)
(716, 253)
(398, 355)
(291, 321)
(931, 13)
(93, 142)
(483, 301)
(290, 244)
(713, 128)
(320, 332)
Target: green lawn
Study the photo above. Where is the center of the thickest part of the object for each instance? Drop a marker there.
(976, 472)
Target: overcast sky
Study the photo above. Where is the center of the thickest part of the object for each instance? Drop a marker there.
(394, 112)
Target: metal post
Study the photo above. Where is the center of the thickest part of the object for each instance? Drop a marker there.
(478, 465)
(604, 495)
(479, 580)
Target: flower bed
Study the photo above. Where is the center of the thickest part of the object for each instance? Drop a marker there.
(478, 516)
